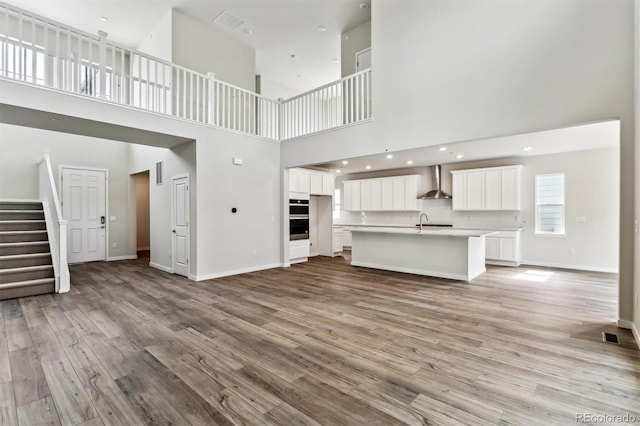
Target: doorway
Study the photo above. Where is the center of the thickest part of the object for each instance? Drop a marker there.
(84, 206)
(143, 215)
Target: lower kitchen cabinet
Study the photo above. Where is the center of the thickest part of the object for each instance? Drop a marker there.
(299, 251)
(346, 239)
(337, 240)
(503, 248)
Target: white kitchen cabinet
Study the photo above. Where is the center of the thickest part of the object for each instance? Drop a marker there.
(299, 251)
(346, 238)
(503, 248)
(321, 183)
(299, 181)
(337, 240)
(495, 188)
(365, 195)
(397, 193)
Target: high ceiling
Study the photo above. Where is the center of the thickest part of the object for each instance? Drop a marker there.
(277, 29)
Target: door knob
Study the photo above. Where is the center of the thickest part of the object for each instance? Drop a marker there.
(174, 231)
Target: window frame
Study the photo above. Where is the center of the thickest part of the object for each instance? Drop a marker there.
(537, 231)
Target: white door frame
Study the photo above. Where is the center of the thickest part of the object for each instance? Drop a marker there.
(358, 54)
(106, 199)
(173, 241)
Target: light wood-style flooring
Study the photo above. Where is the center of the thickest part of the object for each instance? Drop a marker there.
(317, 343)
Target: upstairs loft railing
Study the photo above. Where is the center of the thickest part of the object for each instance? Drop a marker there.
(336, 104)
(37, 51)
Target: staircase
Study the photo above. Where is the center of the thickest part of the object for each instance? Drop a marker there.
(26, 267)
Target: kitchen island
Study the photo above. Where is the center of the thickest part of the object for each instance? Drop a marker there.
(447, 253)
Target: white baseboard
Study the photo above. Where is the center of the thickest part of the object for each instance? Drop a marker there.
(235, 272)
(127, 257)
(161, 267)
(569, 266)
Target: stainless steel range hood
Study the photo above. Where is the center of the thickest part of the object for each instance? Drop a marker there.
(437, 193)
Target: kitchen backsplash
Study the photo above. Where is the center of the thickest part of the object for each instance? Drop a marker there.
(439, 212)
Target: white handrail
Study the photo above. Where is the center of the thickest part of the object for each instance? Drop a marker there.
(56, 225)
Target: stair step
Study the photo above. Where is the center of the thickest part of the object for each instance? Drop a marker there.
(23, 260)
(26, 273)
(20, 205)
(24, 247)
(27, 288)
(22, 225)
(22, 236)
(21, 215)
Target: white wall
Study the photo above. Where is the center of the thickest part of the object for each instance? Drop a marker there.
(22, 148)
(592, 191)
(455, 70)
(158, 42)
(352, 42)
(143, 223)
(636, 292)
(203, 48)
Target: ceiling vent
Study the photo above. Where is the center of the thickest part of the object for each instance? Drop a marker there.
(228, 21)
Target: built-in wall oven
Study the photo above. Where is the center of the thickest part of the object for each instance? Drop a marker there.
(298, 219)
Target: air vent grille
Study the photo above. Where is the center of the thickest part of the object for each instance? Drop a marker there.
(228, 21)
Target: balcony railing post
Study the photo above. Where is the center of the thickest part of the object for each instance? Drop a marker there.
(211, 95)
(102, 61)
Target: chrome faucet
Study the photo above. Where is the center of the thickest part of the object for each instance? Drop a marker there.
(426, 219)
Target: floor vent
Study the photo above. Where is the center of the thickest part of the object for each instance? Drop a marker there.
(610, 338)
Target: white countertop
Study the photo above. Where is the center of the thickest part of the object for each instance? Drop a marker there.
(440, 232)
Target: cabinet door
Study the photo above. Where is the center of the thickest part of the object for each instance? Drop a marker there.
(337, 241)
(303, 182)
(387, 194)
(507, 249)
(316, 183)
(376, 194)
(355, 196)
(398, 193)
(328, 184)
(510, 188)
(491, 247)
(459, 191)
(411, 193)
(475, 190)
(293, 180)
(346, 238)
(348, 195)
(365, 195)
(493, 189)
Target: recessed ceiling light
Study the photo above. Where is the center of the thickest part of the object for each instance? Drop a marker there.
(459, 156)
(389, 156)
(410, 162)
(368, 167)
(442, 148)
(248, 31)
(364, 6)
(322, 28)
(104, 19)
(335, 60)
(55, 119)
(337, 170)
(345, 162)
(526, 148)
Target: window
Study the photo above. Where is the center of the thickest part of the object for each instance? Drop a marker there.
(336, 204)
(550, 204)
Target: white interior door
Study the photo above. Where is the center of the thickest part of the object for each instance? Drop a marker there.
(363, 60)
(84, 207)
(180, 219)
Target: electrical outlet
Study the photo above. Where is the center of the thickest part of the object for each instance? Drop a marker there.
(254, 252)
(572, 251)
(114, 245)
(636, 298)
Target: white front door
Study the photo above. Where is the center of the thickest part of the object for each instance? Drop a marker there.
(180, 219)
(84, 207)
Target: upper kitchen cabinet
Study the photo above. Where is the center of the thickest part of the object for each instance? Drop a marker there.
(397, 193)
(321, 183)
(299, 181)
(495, 188)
